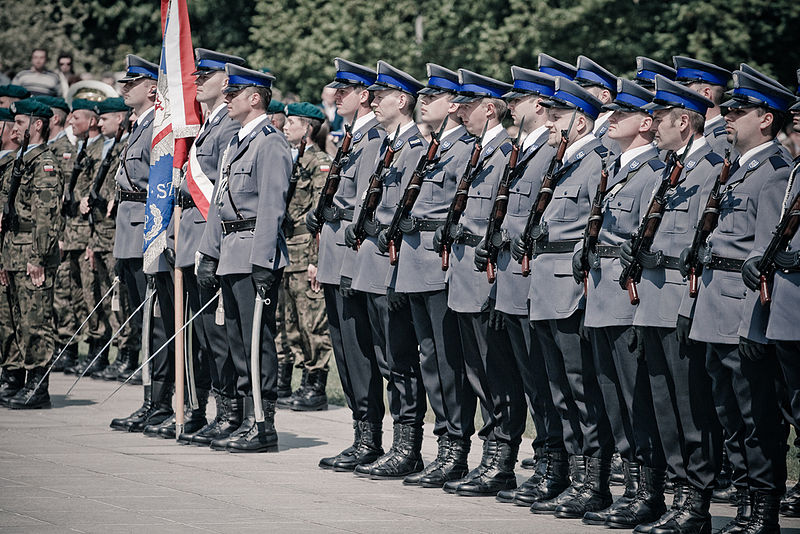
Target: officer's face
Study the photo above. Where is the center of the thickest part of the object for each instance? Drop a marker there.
(743, 126)
(668, 129)
(796, 121)
(294, 129)
(434, 108)
(386, 105)
(347, 100)
(137, 92)
(6, 140)
(626, 125)
(109, 123)
(81, 120)
(525, 106)
(239, 105)
(209, 86)
(20, 126)
(473, 115)
(6, 101)
(557, 120)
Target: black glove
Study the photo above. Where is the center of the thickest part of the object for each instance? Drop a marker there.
(626, 254)
(577, 267)
(207, 272)
(437, 239)
(682, 330)
(312, 224)
(751, 350)
(481, 256)
(518, 248)
(263, 278)
(750, 273)
(383, 241)
(636, 343)
(344, 287)
(169, 255)
(583, 330)
(350, 235)
(396, 301)
(683, 262)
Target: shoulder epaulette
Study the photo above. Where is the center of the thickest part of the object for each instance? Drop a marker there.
(718, 131)
(656, 164)
(466, 138)
(414, 141)
(373, 133)
(268, 129)
(714, 158)
(601, 150)
(506, 147)
(778, 162)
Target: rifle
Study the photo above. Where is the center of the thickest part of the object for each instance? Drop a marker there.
(500, 207)
(394, 234)
(642, 239)
(334, 174)
(593, 224)
(781, 237)
(544, 197)
(69, 208)
(459, 203)
(9, 217)
(706, 225)
(374, 192)
(95, 200)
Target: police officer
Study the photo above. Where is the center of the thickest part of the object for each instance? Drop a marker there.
(710, 81)
(394, 97)
(305, 325)
(251, 255)
(30, 256)
(212, 363)
(352, 345)
(556, 303)
(420, 276)
(730, 319)
(601, 84)
(277, 114)
(485, 346)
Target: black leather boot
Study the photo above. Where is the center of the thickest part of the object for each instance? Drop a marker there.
(403, 459)
(724, 490)
(617, 470)
(631, 472)
(228, 422)
(534, 462)
(790, 504)
(31, 397)
(166, 426)
(744, 509)
(548, 500)
(453, 467)
(452, 485)
(529, 485)
(284, 379)
(363, 470)
(67, 360)
(12, 381)
(186, 438)
(594, 495)
(496, 476)
(193, 419)
(286, 402)
(328, 461)
(314, 398)
(647, 506)
(130, 365)
(368, 449)
(680, 492)
(764, 519)
(553, 480)
(692, 516)
(442, 450)
(100, 364)
(160, 409)
(112, 371)
(261, 435)
(124, 423)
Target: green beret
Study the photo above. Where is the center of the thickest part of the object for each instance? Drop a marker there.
(275, 106)
(110, 105)
(82, 103)
(29, 106)
(14, 91)
(53, 102)
(304, 109)
(6, 115)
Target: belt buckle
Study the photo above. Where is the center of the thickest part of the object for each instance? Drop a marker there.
(705, 256)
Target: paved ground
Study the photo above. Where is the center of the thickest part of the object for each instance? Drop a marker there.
(64, 470)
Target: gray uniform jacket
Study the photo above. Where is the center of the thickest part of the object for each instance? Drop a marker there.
(210, 145)
(419, 268)
(511, 289)
(133, 174)
(553, 293)
(257, 173)
(783, 314)
(716, 136)
(372, 272)
(725, 308)
(623, 208)
(468, 287)
(367, 142)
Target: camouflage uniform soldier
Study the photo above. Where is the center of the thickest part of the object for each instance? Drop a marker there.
(304, 332)
(30, 252)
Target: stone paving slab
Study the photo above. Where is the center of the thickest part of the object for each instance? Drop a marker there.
(64, 470)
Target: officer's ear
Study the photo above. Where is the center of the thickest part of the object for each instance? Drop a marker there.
(647, 123)
(151, 93)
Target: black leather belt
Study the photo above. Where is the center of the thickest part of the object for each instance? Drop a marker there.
(607, 251)
(335, 213)
(721, 263)
(788, 261)
(373, 227)
(468, 239)
(409, 225)
(555, 247)
(238, 225)
(186, 202)
(132, 196)
(654, 260)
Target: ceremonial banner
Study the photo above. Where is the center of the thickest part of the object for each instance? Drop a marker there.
(176, 122)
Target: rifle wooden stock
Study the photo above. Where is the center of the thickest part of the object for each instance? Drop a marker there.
(334, 176)
(593, 225)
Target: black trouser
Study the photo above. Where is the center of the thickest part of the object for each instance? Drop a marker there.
(573, 384)
(747, 406)
(787, 353)
(531, 368)
(398, 360)
(239, 293)
(164, 361)
(208, 338)
(355, 355)
(442, 364)
(690, 433)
